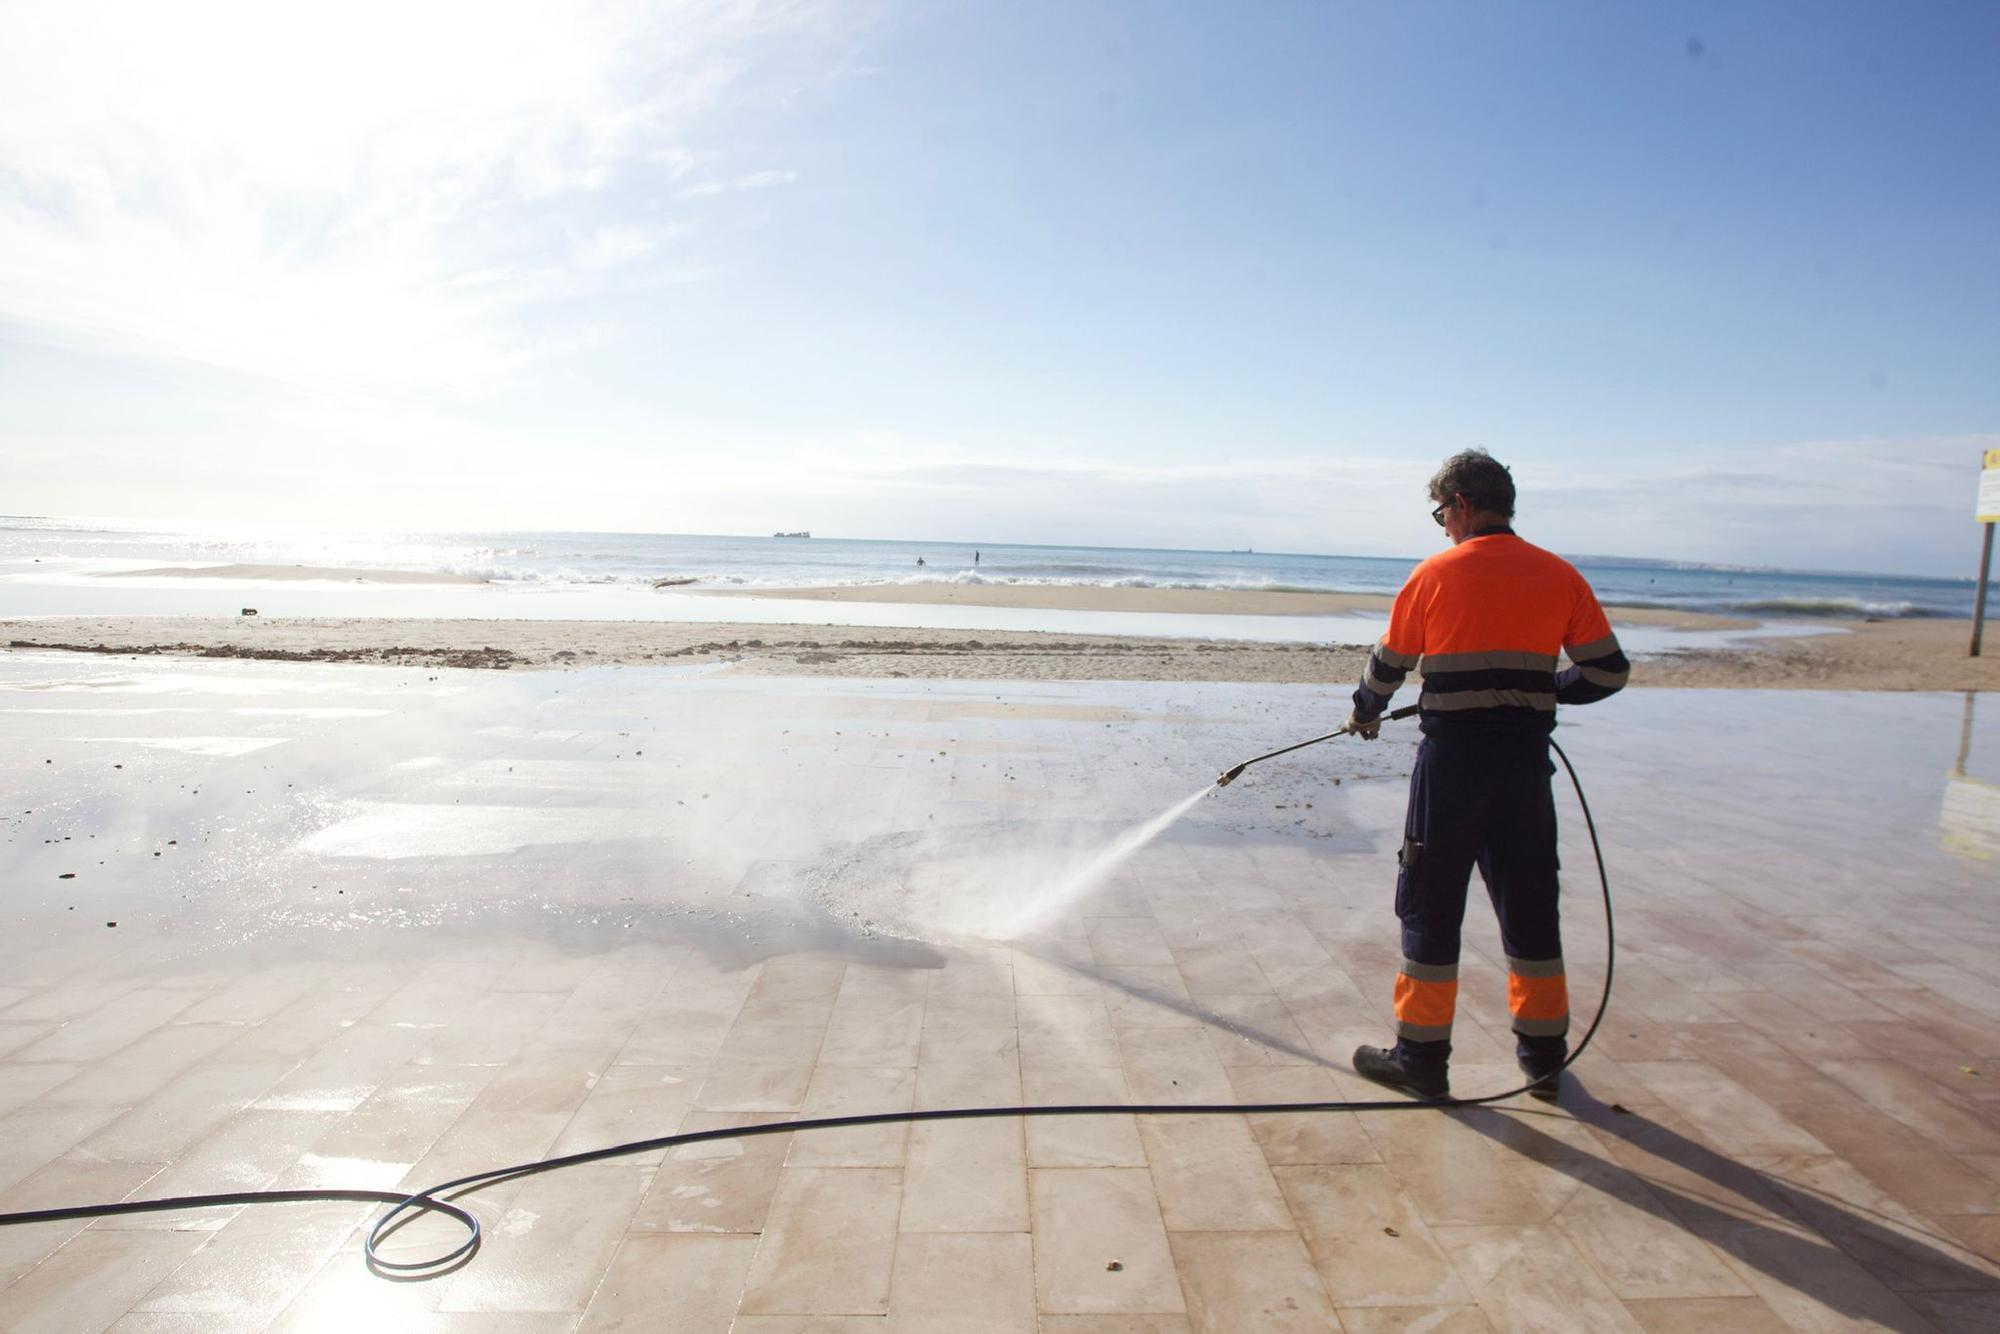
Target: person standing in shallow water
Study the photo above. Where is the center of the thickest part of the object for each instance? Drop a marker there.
(1485, 620)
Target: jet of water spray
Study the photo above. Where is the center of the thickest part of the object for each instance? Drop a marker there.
(1043, 907)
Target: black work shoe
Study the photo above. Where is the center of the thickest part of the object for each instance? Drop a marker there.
(1390, 1070)
(1545, 1086)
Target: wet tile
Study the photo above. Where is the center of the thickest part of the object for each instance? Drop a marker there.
(1531, 1278)
(1706, 1315)
(93, 1279)
(1211, 1176)
(1246, 1280)
(256, 1264)
(1413, 1320)
(828, 1245)
(966, 1176)
(1080, 1141)
(1100, 1245)
(1370, 1247)
(720, 1185)
(852, 1091)
(671, 1283)
(963, 1283)
(1293, 1138)
(553, 1245)
(1170, 1065)
(1728, 1116)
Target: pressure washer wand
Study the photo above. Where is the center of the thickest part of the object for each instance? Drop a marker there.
(1231, 775)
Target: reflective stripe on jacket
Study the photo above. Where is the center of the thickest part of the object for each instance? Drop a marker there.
(1487, 620)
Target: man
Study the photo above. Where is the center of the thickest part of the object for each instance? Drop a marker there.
(1486, 620)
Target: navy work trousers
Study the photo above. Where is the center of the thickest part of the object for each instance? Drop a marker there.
(1481, 800)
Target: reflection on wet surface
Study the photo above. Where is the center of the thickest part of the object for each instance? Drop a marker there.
(738, 814)
(435, 922)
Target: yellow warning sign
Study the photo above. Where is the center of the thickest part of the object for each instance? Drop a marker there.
(1988, 509)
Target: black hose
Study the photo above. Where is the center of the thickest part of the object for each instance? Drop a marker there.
(406, 1208)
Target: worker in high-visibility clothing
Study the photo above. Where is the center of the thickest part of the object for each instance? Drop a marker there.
(1486, 620)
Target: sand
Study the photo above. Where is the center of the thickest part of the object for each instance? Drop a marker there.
(1197, 601)
(1858, 655)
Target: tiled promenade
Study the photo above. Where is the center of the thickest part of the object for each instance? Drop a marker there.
(454, 922)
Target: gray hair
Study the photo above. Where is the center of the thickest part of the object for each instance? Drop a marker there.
(1482, 479)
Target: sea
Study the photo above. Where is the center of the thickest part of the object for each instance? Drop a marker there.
(55, 552)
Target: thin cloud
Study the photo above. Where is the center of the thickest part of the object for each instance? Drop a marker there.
(756, 180)
(374, 195)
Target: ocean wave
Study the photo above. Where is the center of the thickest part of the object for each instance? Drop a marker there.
(1835, 607)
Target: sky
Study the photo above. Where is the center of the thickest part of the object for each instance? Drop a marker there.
(1720, 282)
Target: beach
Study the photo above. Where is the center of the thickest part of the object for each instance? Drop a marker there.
(1840, 654)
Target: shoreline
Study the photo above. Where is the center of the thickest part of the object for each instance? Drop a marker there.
(1914, 655)
(1197, 601)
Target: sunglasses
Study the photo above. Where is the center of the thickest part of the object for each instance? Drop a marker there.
(1439, 513)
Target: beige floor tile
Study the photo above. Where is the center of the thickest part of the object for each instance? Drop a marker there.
(755, 1086)
(1706, 1315)
(93, 1280)
(256, 1264)
(1413, 1320)
(1088, 1220)
(1450, 1170)
(1301, 1137)
(1959, 1312)
(669, 1283)
(1250, 1280)
(722, 1185)
(966, 1176)
(852, 1091)
(553, 1245)
(1370, 1247)
(1171, 1065)
(1728, 1116)
(67, 1181)
(1811, 1284)
(106, 1028)
(1627, 1232)
(184, 1112)
(631, 1102)
(829, 1244)
(248, 1152)
(682, 1030)
(1890, 1088)
(963, 1283)
(1898, 1245)
(1080, 1141)
(1211, 1176)
(877, 1031)
(136, 1072)
(1128, 942)
(1116, 1324)
(22, 1083)
(1530, 1278)
(187, 1322)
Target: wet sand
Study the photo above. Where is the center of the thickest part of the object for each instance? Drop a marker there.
(1852, 655)
(1198, 601)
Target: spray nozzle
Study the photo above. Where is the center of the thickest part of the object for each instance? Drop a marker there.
(1230, 775)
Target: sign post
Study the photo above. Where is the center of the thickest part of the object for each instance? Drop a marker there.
(1987, 511)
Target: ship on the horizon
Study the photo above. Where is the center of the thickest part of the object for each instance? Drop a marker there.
(791, 534)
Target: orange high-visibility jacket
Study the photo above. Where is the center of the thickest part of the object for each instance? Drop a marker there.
(1487, 620)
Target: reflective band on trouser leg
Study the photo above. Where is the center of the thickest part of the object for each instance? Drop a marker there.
(1538, 996)
(1426, 996)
